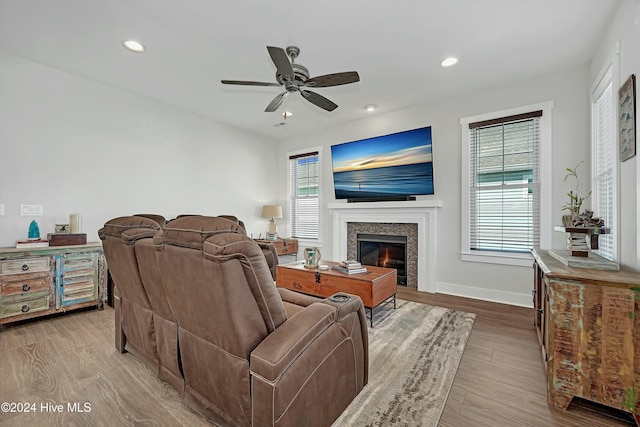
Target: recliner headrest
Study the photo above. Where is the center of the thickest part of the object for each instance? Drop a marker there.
(161, 220)
(192, 231)
(234, 219)
(129, 228)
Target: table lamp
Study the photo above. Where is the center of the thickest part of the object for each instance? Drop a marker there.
(272, 212)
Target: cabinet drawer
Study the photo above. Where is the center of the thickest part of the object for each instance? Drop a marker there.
(15, 308)
(24, 283)
(24, 265)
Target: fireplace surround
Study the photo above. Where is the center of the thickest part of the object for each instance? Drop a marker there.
(377, 232)
(422, 213)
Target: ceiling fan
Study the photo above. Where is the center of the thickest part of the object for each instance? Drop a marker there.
(295, 78)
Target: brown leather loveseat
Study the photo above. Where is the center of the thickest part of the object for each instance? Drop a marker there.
(250, 353)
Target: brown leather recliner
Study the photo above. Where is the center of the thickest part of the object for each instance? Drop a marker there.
(252, 354)
(144, 322)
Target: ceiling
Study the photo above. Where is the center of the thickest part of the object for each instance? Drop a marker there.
(395, 45)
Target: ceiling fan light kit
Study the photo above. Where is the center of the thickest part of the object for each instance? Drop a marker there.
(295, 78)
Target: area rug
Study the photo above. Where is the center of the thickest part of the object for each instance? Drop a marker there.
(414, 353)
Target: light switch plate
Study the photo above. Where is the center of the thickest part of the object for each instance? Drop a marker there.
(31, 210)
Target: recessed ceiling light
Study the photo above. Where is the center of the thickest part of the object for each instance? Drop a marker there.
(449, 62)
(370, 107)
(133, 46)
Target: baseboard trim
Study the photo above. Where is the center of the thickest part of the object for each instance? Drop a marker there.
(483, 294)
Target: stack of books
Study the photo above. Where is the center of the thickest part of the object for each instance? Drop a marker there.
(32, 243)
(349, 267)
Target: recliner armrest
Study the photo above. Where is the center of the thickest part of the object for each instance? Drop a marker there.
(297, 298)
(275, 353)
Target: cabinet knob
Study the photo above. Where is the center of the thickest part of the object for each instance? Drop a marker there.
(25, 267)
(26, 287)
(297, 285)
(25, 308)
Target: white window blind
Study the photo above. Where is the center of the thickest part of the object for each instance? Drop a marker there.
(504, 187)
(304, 195)
(604, 146)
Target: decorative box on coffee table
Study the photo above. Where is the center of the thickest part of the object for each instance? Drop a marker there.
(375, 287)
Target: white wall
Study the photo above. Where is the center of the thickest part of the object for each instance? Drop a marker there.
(568, 89)
(73, 145)
(625, 28)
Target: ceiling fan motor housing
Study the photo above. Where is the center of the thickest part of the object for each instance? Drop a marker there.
(301, 74)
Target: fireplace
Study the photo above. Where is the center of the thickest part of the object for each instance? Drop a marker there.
(384, 251)
(420, 215)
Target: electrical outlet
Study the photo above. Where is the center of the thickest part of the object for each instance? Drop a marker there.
(1, 209)
(31, 210)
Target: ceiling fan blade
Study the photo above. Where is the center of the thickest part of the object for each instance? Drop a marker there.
(335, 79)
(247, 83)
(281, 61)
(318, 100)
(277, 102)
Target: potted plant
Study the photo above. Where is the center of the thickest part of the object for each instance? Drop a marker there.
(575, 200)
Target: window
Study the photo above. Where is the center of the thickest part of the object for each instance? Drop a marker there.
(304, 195)
(503, 185)
(604, 160)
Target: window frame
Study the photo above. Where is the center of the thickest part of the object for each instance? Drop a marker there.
(290, 195)
(544, 155)
(611, 71)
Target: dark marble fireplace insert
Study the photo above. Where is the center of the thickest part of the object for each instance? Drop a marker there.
(383, 250)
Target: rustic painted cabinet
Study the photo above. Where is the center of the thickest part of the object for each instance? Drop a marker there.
(40, 281)
(588, 323)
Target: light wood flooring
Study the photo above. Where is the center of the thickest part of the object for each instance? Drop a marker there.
(501, 379)
(70, 358)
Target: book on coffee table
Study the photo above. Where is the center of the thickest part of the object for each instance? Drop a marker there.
(346, 270)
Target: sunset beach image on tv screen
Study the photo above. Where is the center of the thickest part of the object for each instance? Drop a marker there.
(399, 164)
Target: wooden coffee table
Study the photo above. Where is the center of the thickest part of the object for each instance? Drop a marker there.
(375, 287)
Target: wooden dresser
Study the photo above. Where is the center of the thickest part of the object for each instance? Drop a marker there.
(39, 281)
(588, 324)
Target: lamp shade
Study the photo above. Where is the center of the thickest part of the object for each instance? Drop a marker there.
(272, 211)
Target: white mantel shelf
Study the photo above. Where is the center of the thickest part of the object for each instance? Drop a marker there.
(386, 205)
(421, 212)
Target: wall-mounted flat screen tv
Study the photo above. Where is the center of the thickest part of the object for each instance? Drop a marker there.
(388, 167)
